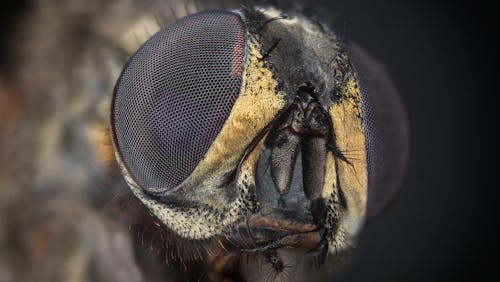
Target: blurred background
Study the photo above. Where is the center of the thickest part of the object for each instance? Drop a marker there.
(59, 61)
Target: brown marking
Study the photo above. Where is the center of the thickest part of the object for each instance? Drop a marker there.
(260, 221)
(12, 104)
(238, 55)
(102, 143)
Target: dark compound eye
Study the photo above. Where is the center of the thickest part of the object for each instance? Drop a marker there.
(386, 129)
(174, 96)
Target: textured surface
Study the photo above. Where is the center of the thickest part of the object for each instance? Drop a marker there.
(257, 105)
(175, 94)
(440, 228)
(386, 128)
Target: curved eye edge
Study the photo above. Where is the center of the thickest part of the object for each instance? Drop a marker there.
(137, 113)
(386, 128)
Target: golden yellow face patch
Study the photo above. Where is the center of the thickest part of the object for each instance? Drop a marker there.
(350, 138)
(257, 105)
(285, 167)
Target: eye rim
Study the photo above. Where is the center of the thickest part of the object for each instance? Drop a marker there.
(160, 191)
(369, 71)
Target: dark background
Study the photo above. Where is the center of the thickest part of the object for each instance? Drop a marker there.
(444, 59)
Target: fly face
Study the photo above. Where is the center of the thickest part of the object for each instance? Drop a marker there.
(255, 129)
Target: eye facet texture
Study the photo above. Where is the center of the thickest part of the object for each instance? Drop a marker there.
(174, 96)
(386, 127)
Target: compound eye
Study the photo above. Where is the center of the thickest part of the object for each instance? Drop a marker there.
(386, 130)
(174, 96)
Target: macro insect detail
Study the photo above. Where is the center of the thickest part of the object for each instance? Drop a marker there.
(260, 133)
